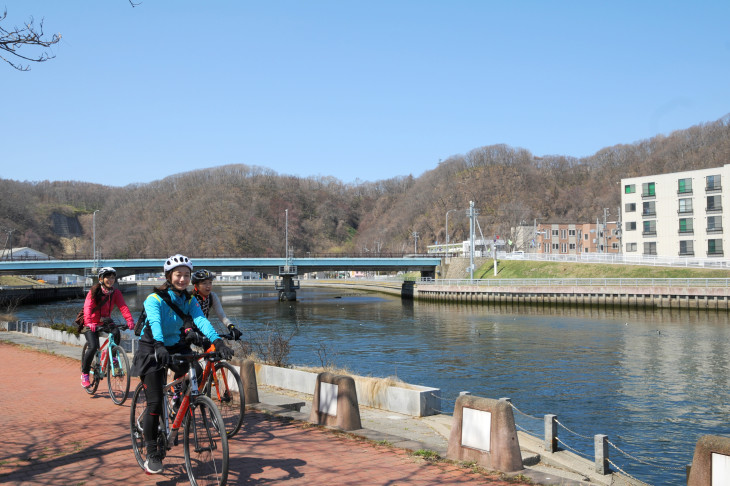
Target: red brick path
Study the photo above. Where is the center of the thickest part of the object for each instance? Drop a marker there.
(55, 434)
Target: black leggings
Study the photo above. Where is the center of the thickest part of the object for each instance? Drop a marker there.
(92, 337)
(154, 381)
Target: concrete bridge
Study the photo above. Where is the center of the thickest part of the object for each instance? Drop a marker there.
(287, 269)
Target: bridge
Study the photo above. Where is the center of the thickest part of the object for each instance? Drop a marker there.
(287, 268)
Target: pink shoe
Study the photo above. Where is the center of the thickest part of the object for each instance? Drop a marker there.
(85, 382)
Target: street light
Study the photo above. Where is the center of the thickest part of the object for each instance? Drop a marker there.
(93, 218)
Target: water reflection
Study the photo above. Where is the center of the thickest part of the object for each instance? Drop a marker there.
(653, 381)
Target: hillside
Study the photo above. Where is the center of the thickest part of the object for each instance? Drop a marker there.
(240, 209)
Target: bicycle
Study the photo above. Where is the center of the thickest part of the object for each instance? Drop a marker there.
(231, 402)
(205, 447)
(116, 369)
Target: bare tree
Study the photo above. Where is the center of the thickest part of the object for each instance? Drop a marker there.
(14, 39)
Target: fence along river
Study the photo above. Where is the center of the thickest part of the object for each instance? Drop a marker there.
(653, 381)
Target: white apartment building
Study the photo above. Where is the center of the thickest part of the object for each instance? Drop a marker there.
(679, 214)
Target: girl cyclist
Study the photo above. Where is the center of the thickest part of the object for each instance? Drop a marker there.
(203, 291)
(100, 301)
(163, 334)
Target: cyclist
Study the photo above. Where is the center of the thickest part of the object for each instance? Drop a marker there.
(98, 306)
(164, 333)
(203, 291)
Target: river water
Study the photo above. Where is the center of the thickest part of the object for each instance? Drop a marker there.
(654, 382)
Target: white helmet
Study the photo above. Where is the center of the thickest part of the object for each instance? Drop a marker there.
(178, 261)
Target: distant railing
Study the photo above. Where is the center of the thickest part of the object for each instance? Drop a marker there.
(581, 282)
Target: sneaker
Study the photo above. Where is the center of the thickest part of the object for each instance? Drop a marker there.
(153, 464)
(85, 382)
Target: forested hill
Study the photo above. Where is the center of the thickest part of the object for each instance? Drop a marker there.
(240, 210)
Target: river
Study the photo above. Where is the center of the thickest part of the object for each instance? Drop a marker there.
(654, 382)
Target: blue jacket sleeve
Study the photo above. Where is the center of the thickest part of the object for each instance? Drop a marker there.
(201, 321)
(154, 317)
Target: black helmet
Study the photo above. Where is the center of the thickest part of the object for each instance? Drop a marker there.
(201, 275)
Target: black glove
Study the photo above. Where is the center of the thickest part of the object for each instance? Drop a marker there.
(235, 332)
(194, 337)
(224, 351)
(162, 355)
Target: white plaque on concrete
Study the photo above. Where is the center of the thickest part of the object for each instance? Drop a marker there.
(476, 428)
(232, 383)
(720, 469)
(328, 398)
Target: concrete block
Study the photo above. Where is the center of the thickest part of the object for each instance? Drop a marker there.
(711, 462)
(484, 431)
(335, 402)
(287, 378)
(247, 370)
(414, 400)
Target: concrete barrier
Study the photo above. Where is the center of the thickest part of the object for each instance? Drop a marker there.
(247, 370)
(335, 402)
(711, 462)
(484, 431)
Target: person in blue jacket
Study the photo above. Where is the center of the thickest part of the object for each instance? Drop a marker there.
(162, 335)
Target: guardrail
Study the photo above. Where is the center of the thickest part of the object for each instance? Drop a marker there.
(581, 282)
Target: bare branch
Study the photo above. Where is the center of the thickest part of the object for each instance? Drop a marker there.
(11, 41)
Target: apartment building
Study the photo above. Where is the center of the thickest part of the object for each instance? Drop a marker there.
(577, 238)
(678, 214)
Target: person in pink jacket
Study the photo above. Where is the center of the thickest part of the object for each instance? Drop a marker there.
(100, 302)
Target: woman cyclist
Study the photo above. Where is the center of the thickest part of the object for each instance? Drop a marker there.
(203, 291)
(163, 334)
(100, 301)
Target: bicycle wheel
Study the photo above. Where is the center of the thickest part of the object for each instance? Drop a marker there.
(136, 415)
(205, 444)
(93, 372)
(225, 388)
(117, 375)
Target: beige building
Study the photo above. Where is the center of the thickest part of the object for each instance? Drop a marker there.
(678, 214)
(577, 238)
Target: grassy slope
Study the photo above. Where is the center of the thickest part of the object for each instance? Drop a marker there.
(14, 280)
(530, 269)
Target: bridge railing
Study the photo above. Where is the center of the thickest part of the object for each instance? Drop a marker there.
(582, 282)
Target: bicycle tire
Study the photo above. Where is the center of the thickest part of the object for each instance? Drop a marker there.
(205, 444)
(230, 402)
(136, 416)
(93, 372)
(118, 378)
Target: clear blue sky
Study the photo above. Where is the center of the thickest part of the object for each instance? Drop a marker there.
(357, 90)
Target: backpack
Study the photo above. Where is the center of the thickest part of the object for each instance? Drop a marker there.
(79, 321)
(187, 320)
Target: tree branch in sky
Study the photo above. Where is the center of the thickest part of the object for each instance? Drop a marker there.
(29, 36)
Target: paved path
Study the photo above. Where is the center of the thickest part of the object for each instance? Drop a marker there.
(55, 434)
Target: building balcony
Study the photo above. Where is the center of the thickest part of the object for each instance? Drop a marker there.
(682, 192)
(685, 232)
(714, 231)
(648, 196)
(650, 253)
(685, 211)
(648, 233)
(687, 253)
(714, 188)
(648, 214)
(714, 210)
(716, 253)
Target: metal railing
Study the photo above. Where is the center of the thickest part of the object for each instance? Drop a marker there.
(582, 282)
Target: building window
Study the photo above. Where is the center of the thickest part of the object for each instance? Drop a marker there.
(649, 228)
(631, 226)
(563, 234)
(572, 246)
(571, 232)
(714, 247)
(630, 247)
(564, 248)
(556, 233)
(614, 246)
(714, 204)
(586, 235)
(556, 246)
(713, 183)
(546, 247)
(647, 189)
(630, 207)
(714, 224)
(629, 188)
(685, 206)
(649, 208)
(685, 186)
(547, 234)
(686, 248)
(586, 250)
(686, 226)
(650, 248)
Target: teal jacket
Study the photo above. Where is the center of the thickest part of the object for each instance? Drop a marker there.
(164, 325)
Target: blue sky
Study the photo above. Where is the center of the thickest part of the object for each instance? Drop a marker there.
(357, 90)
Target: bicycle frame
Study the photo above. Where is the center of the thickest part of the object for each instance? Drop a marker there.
(102, 354)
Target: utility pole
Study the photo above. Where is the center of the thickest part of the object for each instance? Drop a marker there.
(93, 220)
(471, 212)
(415, 242)
(605, 236)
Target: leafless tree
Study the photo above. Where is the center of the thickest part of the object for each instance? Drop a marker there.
(29, 35)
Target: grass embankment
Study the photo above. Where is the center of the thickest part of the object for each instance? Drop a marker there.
(531, 269)
(16, 281)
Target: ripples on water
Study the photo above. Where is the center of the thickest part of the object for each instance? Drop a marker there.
(652, 381)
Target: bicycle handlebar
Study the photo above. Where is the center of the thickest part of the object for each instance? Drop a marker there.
(189, 358)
